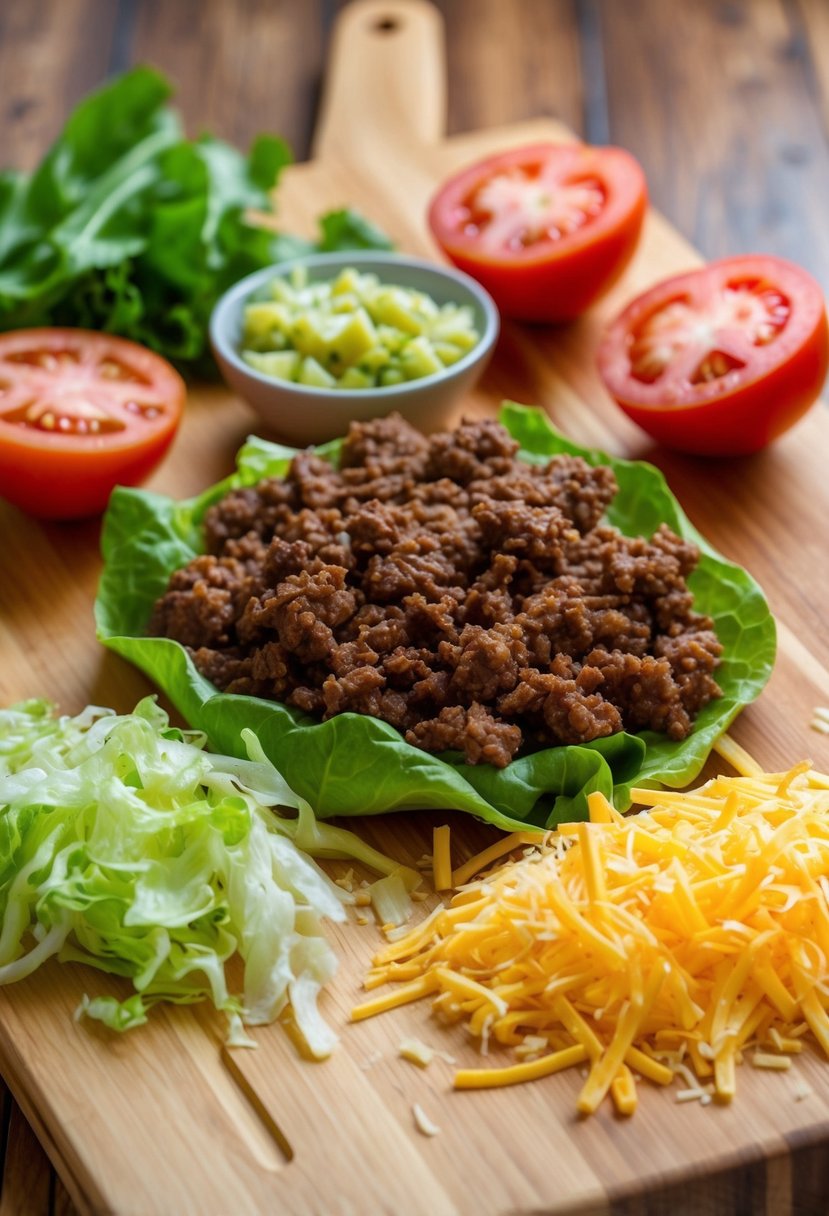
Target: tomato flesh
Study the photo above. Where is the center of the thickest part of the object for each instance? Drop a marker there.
(526, 204)
(546, 229)
(79, 413)
(722, 360)
(712, 339)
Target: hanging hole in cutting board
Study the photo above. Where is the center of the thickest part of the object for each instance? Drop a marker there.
(386, 25)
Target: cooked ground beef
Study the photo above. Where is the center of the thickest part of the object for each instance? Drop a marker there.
(474, 602)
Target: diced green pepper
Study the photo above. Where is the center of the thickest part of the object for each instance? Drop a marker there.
(282, 364)
(352, 332)
(314, 373)
(419, 359)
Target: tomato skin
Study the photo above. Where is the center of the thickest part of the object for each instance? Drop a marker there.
(549, 281)
(45, 485)
(759, 402)
(57, 476)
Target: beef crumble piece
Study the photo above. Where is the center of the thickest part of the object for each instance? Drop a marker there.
(693, 657)
(474, 602)
(536, 533)
(383, 446)
(474, 450)
(202, 602)
(565, 699)
(473, 731)
(301, 613)
(485, 662)
(260, 509)
(644, 689)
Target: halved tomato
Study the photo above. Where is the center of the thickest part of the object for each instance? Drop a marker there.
(722, 360)
(80, 412)
(546, 229)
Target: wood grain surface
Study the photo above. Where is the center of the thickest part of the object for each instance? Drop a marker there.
(725, 102)
(725, 105)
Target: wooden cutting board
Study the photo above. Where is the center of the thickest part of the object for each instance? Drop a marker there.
(163, 1120)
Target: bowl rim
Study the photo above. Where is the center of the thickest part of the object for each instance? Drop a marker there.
(224, 349)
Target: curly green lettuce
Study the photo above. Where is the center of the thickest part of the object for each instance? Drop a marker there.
(129, 227)
(357, 765)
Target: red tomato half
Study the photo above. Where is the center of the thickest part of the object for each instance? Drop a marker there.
(80, 412)
(545, 229)
(721, 360)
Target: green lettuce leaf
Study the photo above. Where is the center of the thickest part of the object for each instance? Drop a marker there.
(356, 765)
(129, 227)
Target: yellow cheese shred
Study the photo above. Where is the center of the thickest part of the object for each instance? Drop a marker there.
(487, 1078)
(623, 1091)
(737, 757)
(669, 944)
(486, 857)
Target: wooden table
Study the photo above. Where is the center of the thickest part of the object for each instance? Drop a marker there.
(723, 101)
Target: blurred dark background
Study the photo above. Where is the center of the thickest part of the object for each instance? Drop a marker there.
(725, 102)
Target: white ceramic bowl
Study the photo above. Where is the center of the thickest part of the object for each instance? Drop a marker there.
(305, 414)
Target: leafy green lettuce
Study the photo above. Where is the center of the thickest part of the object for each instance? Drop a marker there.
(125, 846)
(128, 227)
(356, 765)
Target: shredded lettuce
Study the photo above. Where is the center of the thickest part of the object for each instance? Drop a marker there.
(357, 765)
(390, 900)
(126, 846)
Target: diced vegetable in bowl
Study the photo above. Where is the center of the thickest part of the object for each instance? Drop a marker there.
(323, 340)
(352, 332)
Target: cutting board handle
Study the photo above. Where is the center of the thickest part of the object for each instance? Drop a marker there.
(386, 81)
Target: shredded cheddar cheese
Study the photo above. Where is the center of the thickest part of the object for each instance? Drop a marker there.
(486, 857)
(737, 756)
(667, 944)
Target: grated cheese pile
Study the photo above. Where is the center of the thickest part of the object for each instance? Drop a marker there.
(665, 944)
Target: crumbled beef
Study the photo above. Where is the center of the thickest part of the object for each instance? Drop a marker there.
(316, 481)
(474, 602)
(257, 509)
(582, 492)
(349, 656)
(282, 558)
(484, 663)
(223, 667)
(536, 533)
(693, 657)
(555, 621)
(250, 550)
(378, 527)
(358, 691)
(201, 604)
(474, 450)
(489, 598)
(269, 667)
(405, 666)
(416, 564)
(302, 613)
(564, 699)
(644, 690)
(385, 445)
(473, 731)
(309, 700)
(430, 622)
